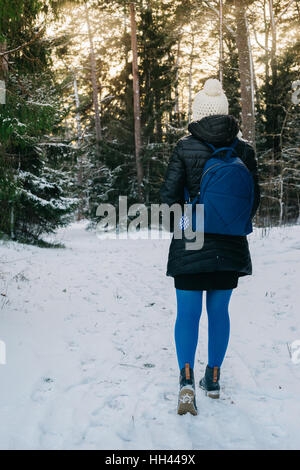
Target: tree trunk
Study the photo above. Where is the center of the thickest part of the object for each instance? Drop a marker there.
(267, 29)
(3, 80)
(245, 70)
(94, 81)
(3, 72)
(191, 78)
(136, 103)
(274, 91)
(79, 141)
(221, 41)
(77, 103)
(158, 123)
(176, 106)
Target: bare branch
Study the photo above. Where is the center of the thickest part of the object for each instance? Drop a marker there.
(256, 38)
(11, 51)
(284, 11)
(215, 10)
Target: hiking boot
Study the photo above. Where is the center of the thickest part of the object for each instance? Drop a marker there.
(187, 395)
(210, 382)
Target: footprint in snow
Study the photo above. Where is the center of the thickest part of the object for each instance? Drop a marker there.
(73, 346)
(88, 364)
(43, 390)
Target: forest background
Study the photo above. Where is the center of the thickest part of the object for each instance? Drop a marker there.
(95, 94)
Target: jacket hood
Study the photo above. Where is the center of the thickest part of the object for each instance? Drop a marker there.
(217, 129)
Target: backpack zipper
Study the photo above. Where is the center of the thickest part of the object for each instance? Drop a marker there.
(216, 164)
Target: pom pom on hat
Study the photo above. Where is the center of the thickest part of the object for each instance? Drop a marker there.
(210, 100)
(212, 87)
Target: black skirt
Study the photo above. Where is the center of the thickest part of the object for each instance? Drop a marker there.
(218, 280)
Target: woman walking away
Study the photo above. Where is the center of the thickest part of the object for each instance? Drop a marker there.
(216, 166)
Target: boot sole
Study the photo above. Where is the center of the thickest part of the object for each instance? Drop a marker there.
(186, 402)
(215, 394)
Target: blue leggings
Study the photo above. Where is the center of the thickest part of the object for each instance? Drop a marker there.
(189, 307)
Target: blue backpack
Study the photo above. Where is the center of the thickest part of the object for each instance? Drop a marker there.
(227, 192)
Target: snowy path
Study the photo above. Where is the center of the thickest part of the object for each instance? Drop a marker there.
(90, 351)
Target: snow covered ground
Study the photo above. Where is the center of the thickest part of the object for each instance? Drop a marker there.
(91, 358)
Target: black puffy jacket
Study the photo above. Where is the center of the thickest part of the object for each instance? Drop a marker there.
(220, 252)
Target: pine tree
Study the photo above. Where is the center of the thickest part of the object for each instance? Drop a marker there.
(33, 200)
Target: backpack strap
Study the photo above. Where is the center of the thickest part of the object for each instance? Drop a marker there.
(187, 198)
(186, 195)
(230, 149)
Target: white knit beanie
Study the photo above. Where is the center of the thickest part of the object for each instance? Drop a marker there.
(210, 100)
